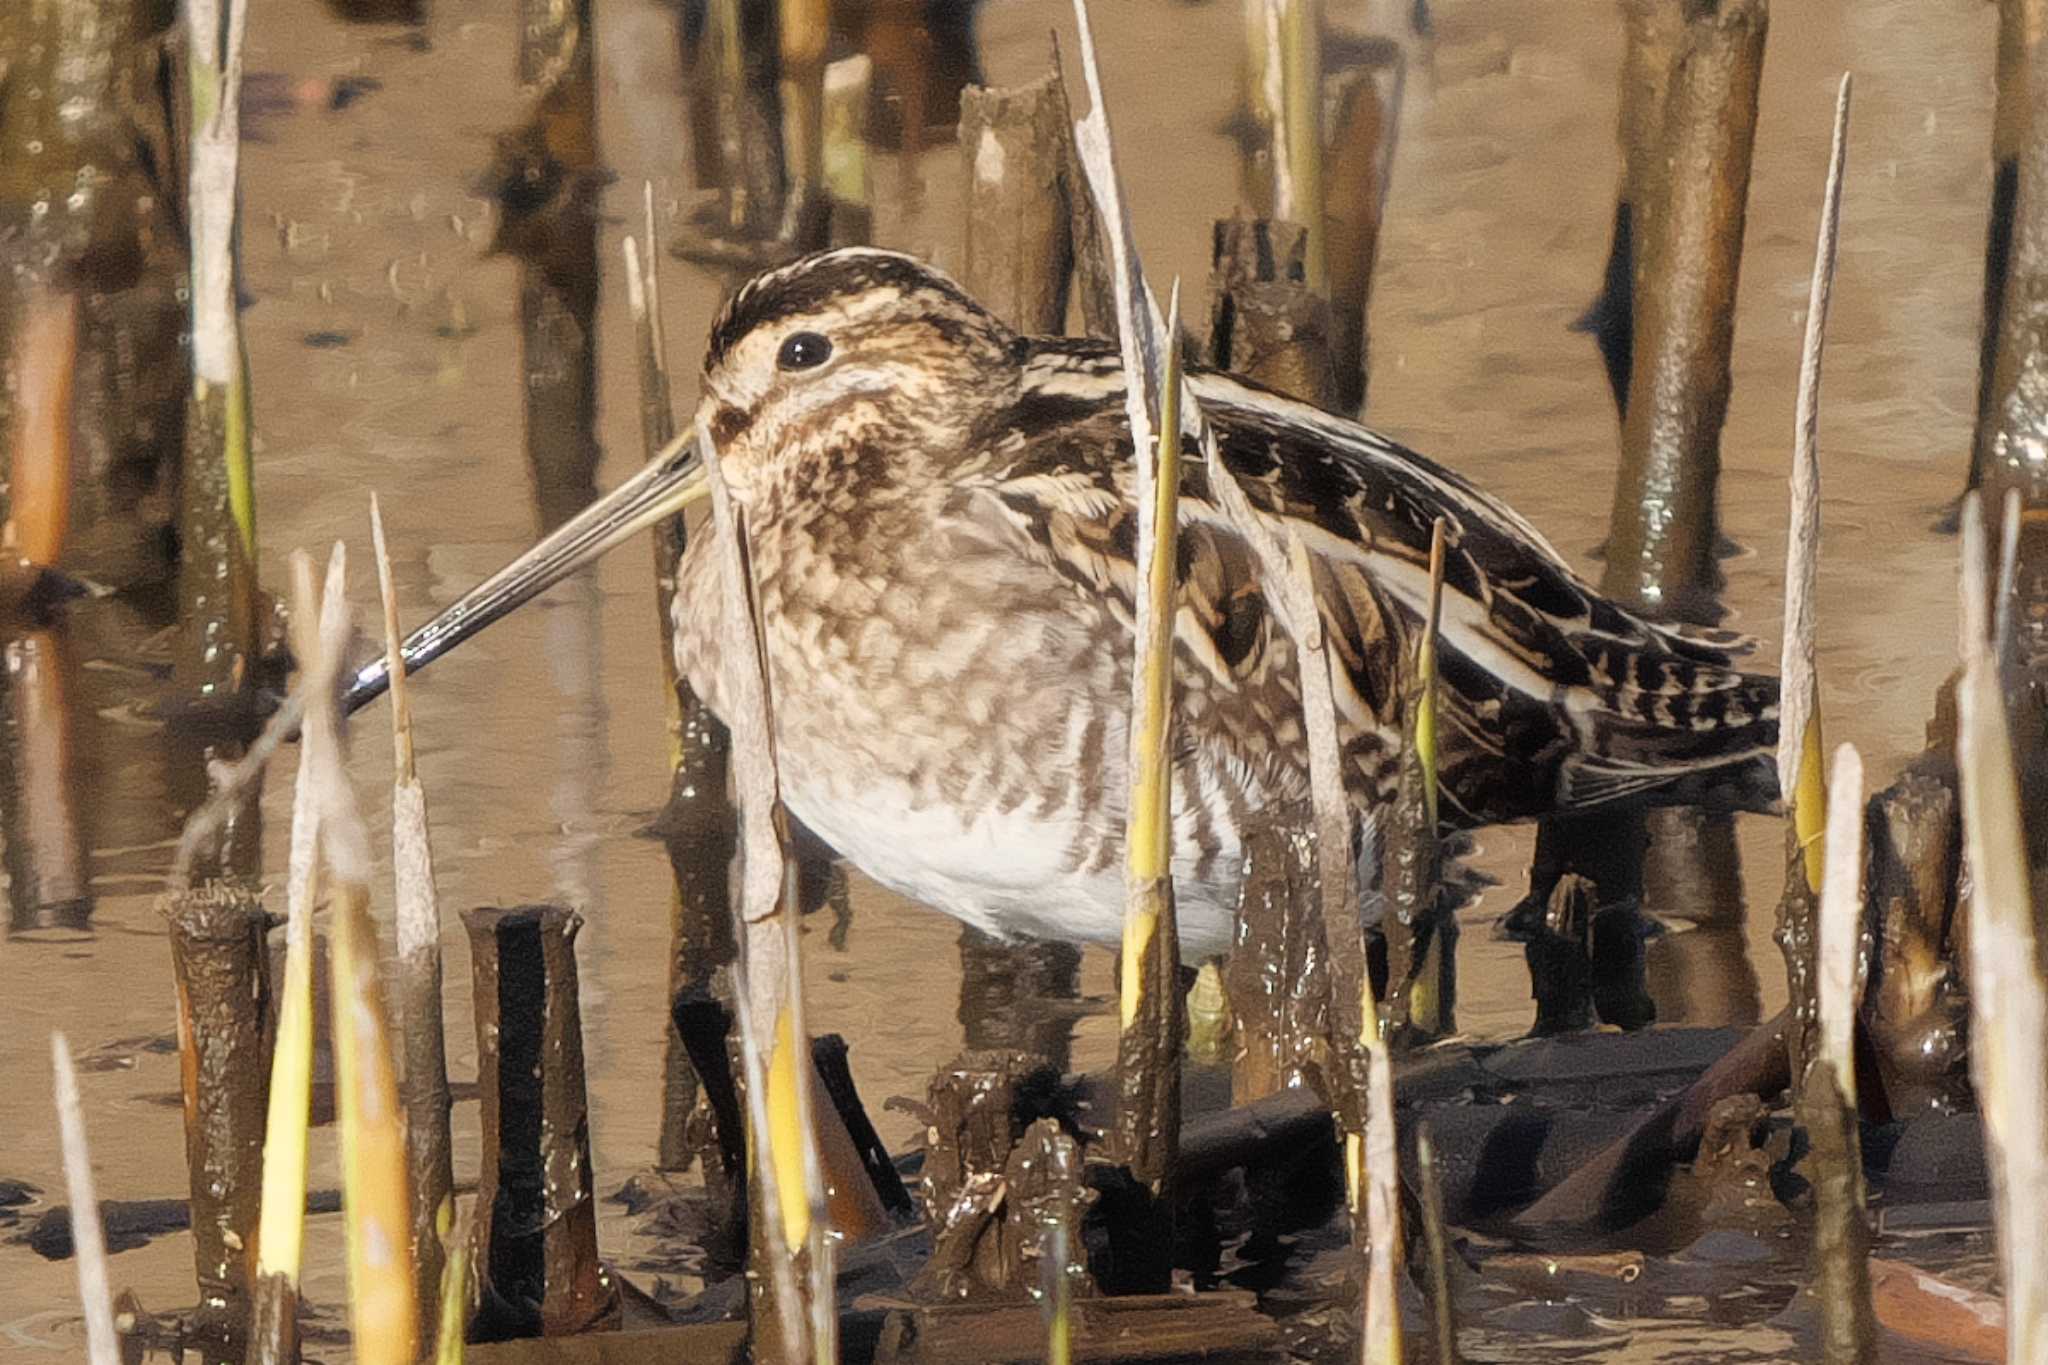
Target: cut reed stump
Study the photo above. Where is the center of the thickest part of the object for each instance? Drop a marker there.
(536, 1222)
(423, 1084)
(223, 976)
(1265, 319)
(1019, 249)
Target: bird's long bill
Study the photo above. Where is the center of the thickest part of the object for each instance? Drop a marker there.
(670, 482)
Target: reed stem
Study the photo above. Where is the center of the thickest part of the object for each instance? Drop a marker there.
(88, 1238)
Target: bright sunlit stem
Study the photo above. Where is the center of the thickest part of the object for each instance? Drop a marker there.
(1149, 841)
(787, 1137)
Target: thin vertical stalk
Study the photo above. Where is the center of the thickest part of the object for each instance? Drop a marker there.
(794, 1315)
(2008, 1000)
(1150, 1013)
(217, 579)
(319, 633)
(383, 1307)
(1800, 763)
(455, 1294)
(423, 1087)
(1286, 86)
(1382, 1201)
(1421, 989)
(88, 1238)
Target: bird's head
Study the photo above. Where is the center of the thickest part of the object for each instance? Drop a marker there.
(841, 344)
(846, 351)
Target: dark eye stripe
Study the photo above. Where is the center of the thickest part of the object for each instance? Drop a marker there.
(803, 351)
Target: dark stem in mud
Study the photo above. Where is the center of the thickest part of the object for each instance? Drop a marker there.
(1665, 527)
(536, 1220)
(2020, 22)
(223, 976)
(1915, 1008)
(1841, 1232)
(1265, 320)
(977, 1111)
(1019, 250)
(1277, 974)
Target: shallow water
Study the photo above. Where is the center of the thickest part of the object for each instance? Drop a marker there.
(384, 343)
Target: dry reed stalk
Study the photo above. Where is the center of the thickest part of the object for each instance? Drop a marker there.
(1827, 1093)
(383, 1309)
(217, 577)
(794, 1307)
(1382, 1204)
(95, 1296)
(1283, 567)
(1801, 766)
(1149, 1042)
(38, 507)
(319, 635)
(2008, 999)
(423, 1085)
(1151, 1017)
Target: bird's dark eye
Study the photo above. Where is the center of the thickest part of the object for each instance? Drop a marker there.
(803, 351)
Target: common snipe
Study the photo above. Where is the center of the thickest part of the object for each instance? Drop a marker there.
(942, 531)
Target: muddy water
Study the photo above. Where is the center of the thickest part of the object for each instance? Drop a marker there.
(384, 349)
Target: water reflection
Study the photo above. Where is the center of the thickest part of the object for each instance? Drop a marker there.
(42, 818)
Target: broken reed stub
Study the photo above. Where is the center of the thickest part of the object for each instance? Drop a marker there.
(1019, 258)
(536, 1214)
(1265, 320)
(223, 979)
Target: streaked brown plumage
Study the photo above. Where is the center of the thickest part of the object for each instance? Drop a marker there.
(941, 529)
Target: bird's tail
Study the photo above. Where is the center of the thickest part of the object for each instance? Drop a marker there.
(1714, 745)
